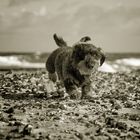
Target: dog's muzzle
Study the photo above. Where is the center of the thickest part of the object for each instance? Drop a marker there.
(86, 68)
(90, 62)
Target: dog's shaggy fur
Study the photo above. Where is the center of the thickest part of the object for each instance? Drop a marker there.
(73, 66)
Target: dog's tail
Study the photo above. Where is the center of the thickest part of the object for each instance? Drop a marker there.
(59, 41)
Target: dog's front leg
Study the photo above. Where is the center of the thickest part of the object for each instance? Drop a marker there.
(86, 90)
(72, 89)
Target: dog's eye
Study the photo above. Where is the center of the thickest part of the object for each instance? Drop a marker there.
(96, 56)
(93, 54)
(81, 56)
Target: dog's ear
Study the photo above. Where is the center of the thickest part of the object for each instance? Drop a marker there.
(59, 41)
(85, 39)
(103, 57)
(102, 60)
(78, 53)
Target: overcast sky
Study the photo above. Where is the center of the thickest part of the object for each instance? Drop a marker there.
(28, 25)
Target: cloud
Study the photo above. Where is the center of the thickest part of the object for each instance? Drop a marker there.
(107, 21)
(20, 2)
(21, 13)
(99, 19)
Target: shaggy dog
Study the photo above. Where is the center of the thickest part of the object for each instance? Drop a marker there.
(73, 66)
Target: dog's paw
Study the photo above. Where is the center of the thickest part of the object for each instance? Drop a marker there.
(87, 92)
(75, 94)
(88, 95)
(53, 77)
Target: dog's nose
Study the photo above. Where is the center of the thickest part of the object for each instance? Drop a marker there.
(90, 61)
(89, 64)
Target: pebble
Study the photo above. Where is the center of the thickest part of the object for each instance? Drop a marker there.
(10, 110)
(76, 114)
(27, 130)
(79, 135)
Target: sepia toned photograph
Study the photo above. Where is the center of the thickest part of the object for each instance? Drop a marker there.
(69, 70)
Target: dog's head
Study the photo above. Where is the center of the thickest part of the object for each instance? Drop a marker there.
(87, 58)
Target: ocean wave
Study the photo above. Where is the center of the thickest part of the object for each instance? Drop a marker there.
(125, 64)
(14, 61)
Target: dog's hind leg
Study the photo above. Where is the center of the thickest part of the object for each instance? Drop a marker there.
(51, 70)
(52, 77)
(50, 65)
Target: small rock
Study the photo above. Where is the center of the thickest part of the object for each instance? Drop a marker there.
(112, 101)
(2, 118)
(49, 137)
(110, 121)
(92, 138)
(121, 125)
(63, 107)
(114, 112)
(27, 130)
(128, 104)
(117, 106)
(8, 137)
(132, 129)
(6, 104)
(134, 117)
(87, 133)
(10, 110)
(77, 114)
(86, 116)
(79, 135)
(114, 131)
(17, 123)
(52, 106)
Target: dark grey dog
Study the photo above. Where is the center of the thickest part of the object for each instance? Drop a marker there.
(73, 66)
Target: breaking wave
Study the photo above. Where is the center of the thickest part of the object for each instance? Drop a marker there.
(124, 64)
(14, 61)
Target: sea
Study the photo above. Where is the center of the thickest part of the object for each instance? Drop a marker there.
(115, 62)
